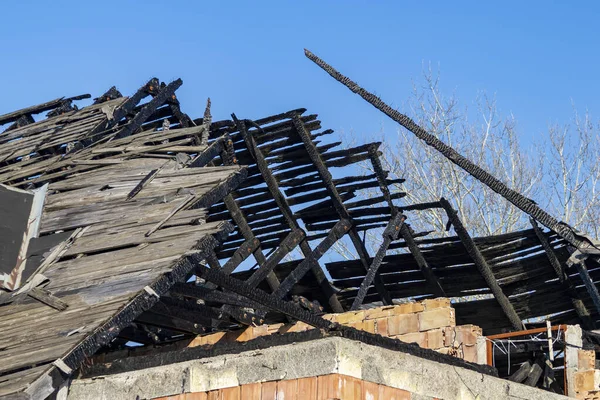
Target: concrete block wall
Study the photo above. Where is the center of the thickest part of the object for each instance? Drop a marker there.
(430, 323)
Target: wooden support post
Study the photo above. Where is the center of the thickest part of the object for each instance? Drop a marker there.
(333, 236)
(390, 234)
(589, 283)
(484, 269)
(281, 201)
(578, 304)
(338, 204)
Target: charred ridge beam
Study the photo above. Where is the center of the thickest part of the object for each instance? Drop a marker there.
(287, 245)
(484, 269)
(287, 212)
(338, 231)
(268, 300)
(110, 94)
(382, 176)
(517, 199)
(424, 266)
(22, 121)
(338, 205)
(158, 100)
(40, 108)
(389, 235)
(578, 304)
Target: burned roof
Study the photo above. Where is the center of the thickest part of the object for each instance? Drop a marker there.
(171, 226)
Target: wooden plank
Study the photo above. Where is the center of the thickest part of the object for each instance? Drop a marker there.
(47, 298)
(232, 393)
(307, 388)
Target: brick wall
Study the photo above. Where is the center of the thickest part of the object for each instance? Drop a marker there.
(429, 323)
(332, 386)
(587, 378)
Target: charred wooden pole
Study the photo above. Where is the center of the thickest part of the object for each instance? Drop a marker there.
(484, 268)
(390, 234)
(281, 201)
(310, 260)
(578, 304)
(425, 268)
(516, 198)
(268, 300)
(338, 205)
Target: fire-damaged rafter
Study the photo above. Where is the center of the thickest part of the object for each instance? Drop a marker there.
(517, 199)
(578, 304)
(390, 234)
(484, 269)
(311, 259)
(285, 209)
(339, 205)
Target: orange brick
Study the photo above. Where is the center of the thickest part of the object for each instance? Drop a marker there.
(437, 318)
(419, 338)
(196, 396)
(587, 380)
(435, 339)
(407, 308)
(440, 302)
(464, 334)
(349, 317)
(586, 360)
(403, 323)
(379, 312)
(381, 326)
(469, 353)
(369, 326)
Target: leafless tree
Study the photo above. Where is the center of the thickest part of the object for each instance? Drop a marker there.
(558, 170)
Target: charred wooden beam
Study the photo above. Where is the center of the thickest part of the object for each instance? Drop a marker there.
(268, 300)
(110, 94)
(578, 304)
(287, 245)
(588, 282)
(425, 268)
(169, 321)
(338, 205)
(22, 121)
(200, 292)
(242, 253)
(158, 100)
(286, 211)
(338, 231)
(47, 106)
(484, 269)
(517, 199)
(390, 234)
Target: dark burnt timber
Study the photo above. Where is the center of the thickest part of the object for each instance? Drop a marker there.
(40, 108)
(390, 234)
(518, 200)
(338, 205)
(286, 211)
(484, 269)
(578, 304)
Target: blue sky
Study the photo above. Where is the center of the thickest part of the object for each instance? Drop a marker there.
(536, 57)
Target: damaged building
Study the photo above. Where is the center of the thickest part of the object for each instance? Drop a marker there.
(147, 254)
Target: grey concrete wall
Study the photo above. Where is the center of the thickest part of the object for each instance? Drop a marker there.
(319, 357)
